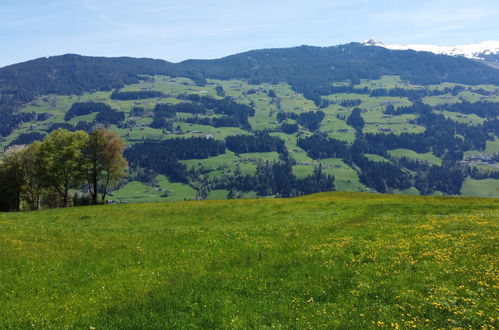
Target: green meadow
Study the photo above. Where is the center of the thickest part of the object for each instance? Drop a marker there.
(331, 260)
(428, 156)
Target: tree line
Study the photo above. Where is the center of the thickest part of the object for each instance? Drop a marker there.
(275, 178)
(135, 95)
(260, 142)
(396, 174)
(43, 174)
(271, 178)
(105, 114)
(309, 119)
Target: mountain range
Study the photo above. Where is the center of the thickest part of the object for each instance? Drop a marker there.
(487, 51)
(284, 122)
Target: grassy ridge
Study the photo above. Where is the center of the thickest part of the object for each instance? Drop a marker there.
(347, 260)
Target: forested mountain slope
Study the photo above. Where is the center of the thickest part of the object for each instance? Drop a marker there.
(272, 122)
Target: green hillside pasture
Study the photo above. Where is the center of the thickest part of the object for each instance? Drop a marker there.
(441, 99)
(237, 89)
(475, 97)
(368, 102)
(265, 114)
(469, 119)
(377, 122)
(263, 156)
(302, 171)
(292, 101)
(346, 178)
(143, 133)
(333, 260)
(442, 86)
(217, 194)
(24, 128)
(53, 104)
(298, 154)
(377, 158)
(226, 160)
(266, 107)
(177, 191)
(492, 146)
(429, 157)
(386, 82)
(227, 163)
(219, 133)
(480, 188)
(472, 153)
(337, 128)
(248, 168)
(138, 192)
(87, 118)
(172, 86)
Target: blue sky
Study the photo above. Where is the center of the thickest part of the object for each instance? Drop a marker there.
(183, 29)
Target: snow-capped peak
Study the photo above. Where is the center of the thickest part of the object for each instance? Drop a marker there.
(474, 51)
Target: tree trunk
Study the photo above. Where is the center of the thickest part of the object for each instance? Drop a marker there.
(18, 201)
(65, 198)
(95, 192)
(104, 192)
(94, 189)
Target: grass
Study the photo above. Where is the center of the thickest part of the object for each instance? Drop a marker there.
(441, 99)
(263, 156)
(386, 82)
(345, 177)
(428, 156)
(492, 146)
(225, 160)
(408, 191)
(333, 260)
(218, 194)
(164, 191)
(377, 158)
(469, 119)
(369, 102)
(377, 122)
(480, 188)
(302, 171)
(137, 192)
(337, 128)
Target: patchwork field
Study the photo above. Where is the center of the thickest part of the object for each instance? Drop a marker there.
(135, 129)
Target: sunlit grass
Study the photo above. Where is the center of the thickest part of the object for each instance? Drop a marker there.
(332, 260)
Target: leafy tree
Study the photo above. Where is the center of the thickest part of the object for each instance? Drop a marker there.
(105, 163)
(220, 91)
(11, 179)
(61, 165)
(289, 128)
(355, 120)
(261, 142)
(27, 138)
(31, 190)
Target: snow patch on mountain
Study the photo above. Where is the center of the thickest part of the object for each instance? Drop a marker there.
(474, 51)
